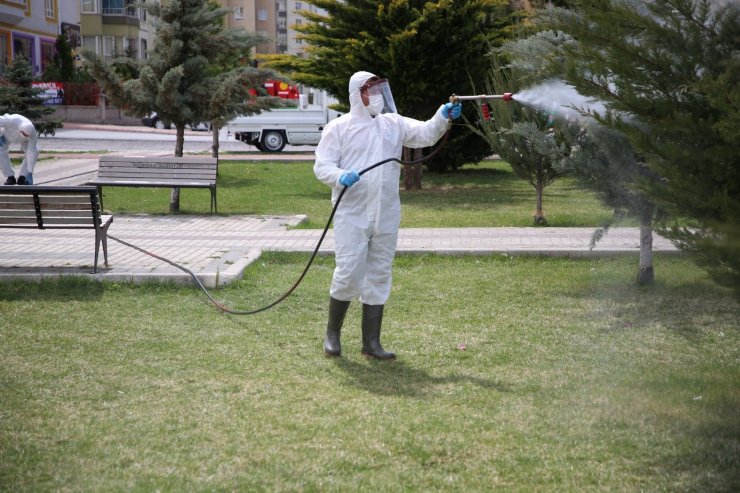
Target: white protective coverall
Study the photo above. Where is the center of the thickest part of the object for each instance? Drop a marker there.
(367, 220)
(17, 129)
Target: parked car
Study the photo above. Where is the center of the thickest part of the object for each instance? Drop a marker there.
(152, 120)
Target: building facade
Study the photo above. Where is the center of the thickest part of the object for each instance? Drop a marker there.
(28, 28)
(112, 28)
(273, 19)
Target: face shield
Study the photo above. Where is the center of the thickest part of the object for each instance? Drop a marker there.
(379, 96)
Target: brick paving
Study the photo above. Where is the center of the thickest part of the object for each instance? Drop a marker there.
(219, 248)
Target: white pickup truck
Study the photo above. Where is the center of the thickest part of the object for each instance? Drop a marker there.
(270, 131)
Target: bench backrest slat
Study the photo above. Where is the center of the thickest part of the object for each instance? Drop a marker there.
(49, 207)
(155, 174)
(158, 168)
(15, 201)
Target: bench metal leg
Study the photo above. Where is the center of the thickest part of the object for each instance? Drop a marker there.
(101, 236)
(214, 205)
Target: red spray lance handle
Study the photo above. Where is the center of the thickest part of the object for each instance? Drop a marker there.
(486, 110)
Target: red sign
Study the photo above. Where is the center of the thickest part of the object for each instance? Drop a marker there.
(52, 92)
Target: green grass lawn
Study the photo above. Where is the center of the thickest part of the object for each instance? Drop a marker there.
(514, 374)
(486, 195)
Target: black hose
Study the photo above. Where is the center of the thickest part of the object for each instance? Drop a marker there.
(231, 311)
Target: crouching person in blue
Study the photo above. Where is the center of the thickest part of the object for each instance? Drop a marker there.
(17, 129)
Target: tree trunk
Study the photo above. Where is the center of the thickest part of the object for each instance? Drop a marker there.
(645, 274)
(179, 145)
(539, 216)
(214, 146)
(412, 173)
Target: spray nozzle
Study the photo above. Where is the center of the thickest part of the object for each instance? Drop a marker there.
(507, 96)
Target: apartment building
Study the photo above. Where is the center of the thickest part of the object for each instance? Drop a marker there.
(29, 28)
(117, 27)
(107, 27)
(258, 16)
(271, 18)
(113, 28)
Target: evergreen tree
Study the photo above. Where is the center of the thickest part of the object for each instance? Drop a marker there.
(185, 78)
(64, 59)
(427, 49)
(17, 95)
(62, 66)
(672, 67)
(524, 137)
(601, 159)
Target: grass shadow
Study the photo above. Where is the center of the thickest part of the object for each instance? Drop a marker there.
(61, 289)
(711, 463)
(398, 378)
(628, 306)
(232, 182)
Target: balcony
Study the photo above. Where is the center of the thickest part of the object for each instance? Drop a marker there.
(120, 12)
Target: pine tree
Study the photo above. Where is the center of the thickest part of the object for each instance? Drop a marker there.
(61, 68)
(17, 95)
(601, 159)
(427, 49)
(672, 67)
(524, 137)
(186, 78)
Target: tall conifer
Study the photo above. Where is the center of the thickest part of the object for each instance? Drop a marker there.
(186, 77)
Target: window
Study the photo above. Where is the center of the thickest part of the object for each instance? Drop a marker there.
(298, 6)
(50, 8)
(239, 13)
(4, 51)
(89, 6)
(109, 47)
(143, 52)
(48, 49)
(262, 14)
(114, 7)
(22, 46)
(91, 43)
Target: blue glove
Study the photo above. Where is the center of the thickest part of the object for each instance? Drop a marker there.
(2, 140)
(349, 178)
(452, 110)
(29, 178)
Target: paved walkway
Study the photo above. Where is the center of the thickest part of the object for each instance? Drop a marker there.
(219, 248)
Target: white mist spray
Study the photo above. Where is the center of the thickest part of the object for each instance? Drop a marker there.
(560, 100)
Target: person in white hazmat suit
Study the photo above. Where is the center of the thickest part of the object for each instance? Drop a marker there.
(367, 219)
(17, 129)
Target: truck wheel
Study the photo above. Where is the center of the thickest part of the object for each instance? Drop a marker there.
(273, 141)
(160, 124)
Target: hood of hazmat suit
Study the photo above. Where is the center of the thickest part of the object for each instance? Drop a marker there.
(16, 128)
(371, 208)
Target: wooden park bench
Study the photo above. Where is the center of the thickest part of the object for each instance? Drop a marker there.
(48, 207)
(170, 172)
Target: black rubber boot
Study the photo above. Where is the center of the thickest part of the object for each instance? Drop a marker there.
(337, 311)
(10, 180)
(372, 318)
